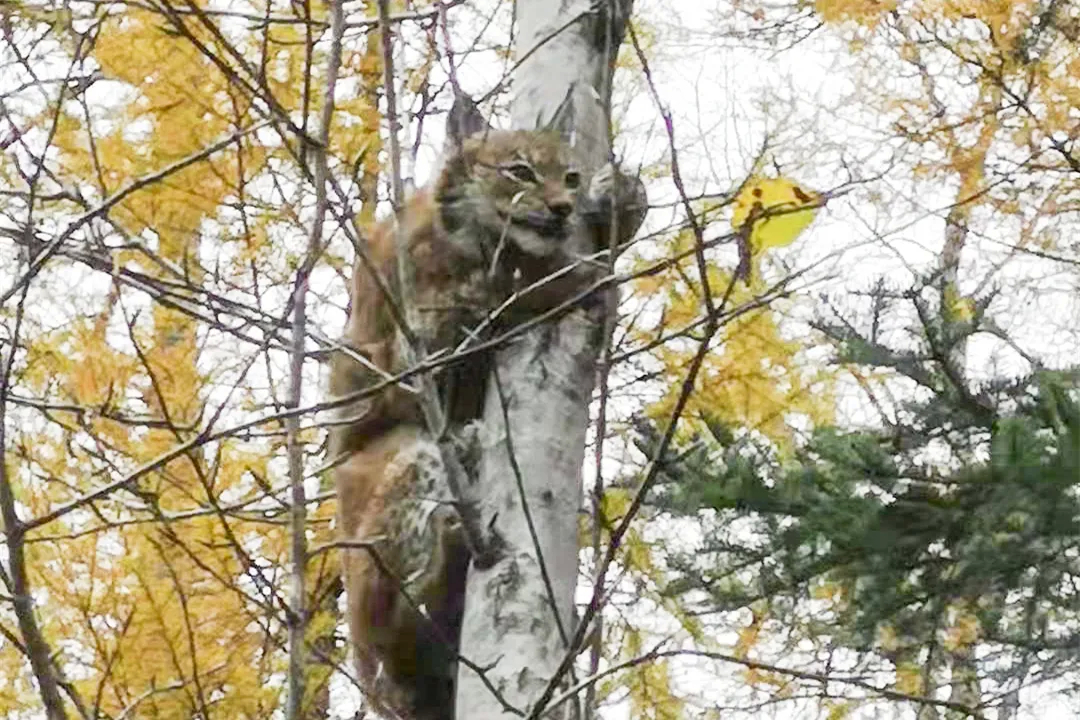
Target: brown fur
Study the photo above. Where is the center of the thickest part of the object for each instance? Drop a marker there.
(451, 253)
(404, 662)
(483, 228)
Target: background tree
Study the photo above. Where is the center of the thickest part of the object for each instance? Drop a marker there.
(137, 174)
(916, 552)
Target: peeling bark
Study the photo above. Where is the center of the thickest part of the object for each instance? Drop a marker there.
(518, 612)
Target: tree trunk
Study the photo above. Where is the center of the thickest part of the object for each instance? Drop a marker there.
(517, 621)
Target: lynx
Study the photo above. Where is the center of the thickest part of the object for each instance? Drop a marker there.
(495, 218)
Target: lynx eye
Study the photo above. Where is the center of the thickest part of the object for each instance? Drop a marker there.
(520, 171)
(572, 179)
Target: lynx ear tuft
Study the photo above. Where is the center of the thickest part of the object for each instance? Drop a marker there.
(464, 120)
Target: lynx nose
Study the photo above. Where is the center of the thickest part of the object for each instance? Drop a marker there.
(561, 207)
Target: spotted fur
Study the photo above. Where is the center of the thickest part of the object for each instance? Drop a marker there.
(497, 217)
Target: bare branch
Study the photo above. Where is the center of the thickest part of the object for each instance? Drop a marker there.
(53, 246)
(298, 515)
(36, 647)
(825, 678)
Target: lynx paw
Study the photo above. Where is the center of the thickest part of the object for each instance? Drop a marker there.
(615, 199)
(602, 185)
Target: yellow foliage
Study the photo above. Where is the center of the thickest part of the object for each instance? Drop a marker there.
(636, 552)
(958, 307)
(963, 632)
(651, 694)
(863, 12)
(615, 503)
(637, 556)
(909, 678)
(179, 602)
(839, 709)
(91, 371)
(829, 590)
(1008, 43)
(782, 684)
(748, 635)
(753, 377)
(887, 638)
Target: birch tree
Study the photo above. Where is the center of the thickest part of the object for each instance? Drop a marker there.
(518, 618)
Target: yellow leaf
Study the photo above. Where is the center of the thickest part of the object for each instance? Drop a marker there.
(839, 710)
(960, 308)
(909, 678)
(864, 12)
(964, 309)
(778, 208)
(963, 633)
(748, 636)
(827, 590)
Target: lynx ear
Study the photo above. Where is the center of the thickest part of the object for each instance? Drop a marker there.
(464, 120)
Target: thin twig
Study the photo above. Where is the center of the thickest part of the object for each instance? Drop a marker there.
(658, 654)
(676, 175)
(261, 21)
(434, 415)
(54, 245)
(298, 511)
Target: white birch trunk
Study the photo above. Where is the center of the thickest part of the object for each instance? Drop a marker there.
(546, 379)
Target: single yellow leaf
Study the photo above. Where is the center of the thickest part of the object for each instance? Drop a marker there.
(778, 208)
(959, 308)
(964, 309)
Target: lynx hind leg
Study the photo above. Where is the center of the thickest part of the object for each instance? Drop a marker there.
(389, 494)
(368, 594)
(442, 592)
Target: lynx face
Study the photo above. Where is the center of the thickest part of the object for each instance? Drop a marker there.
(520, 187)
